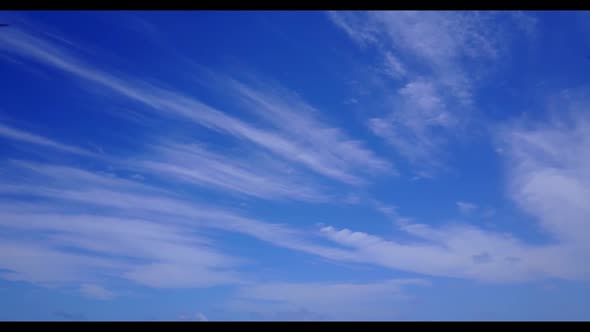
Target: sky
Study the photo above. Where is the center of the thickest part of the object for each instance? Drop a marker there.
(230, 166)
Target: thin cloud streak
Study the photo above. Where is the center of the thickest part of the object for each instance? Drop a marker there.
(265, 180)
(171, 103)
(23, 136)
(440, 59)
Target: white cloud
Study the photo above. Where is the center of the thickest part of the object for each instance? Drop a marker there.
(96, 291)
(394, 66)
(424, 98)
(386, 209)
(163, 230)
(332, 301)
(171, 257)
(352, 199)
(299, 122)
(488, 213)
(437, 37)
(355, 25)
(71, 316)
(442, 41)
(440, 57)
(466, 207)
(414, 128)
(199, 317)
(42, 264)
(174, 275)
(314, 155)
(553, 156)
(453, 251)
(301, 315)
(121, 219)
(526, 22)
(166, 253)
(262, 178)
(418, 127)
(23, 136)
(548, 164)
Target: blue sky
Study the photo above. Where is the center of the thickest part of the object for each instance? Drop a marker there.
(294, 166)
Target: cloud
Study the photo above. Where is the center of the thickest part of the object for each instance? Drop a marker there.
(482, 258)
(440, 59)
(173, 210)
(469, 209)
(124, 228)
(394, 66)
(71, 316)
(526, 22)
(414, 129)
(23, 136)
(488, 213)
(90, 225)
(162, 231)
(387, 210)
(262, 178)
(325, 301)
(356, 26)
(164, 256)
(296, 315)
(466, 207)
(313, 155)
(352, 199)
(298, 121)
(199, 317)
(442, 43)
(41, 264)
(536, 157)
(548, 164)
(450, 252)
(96, 291)
(162, 253)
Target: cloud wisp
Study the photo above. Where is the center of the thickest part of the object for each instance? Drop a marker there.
(326, 301)
(27, 137)
(121, 228)
(142, 222)
(439, 59)
(314, 155)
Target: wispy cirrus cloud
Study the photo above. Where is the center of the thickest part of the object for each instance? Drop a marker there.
(298, 120)
(96, 291)
(466, 207)
(27, 137)
(546, 163)
(440, 59)
(313, 155)
(273, 181)
(89, 225)
(122, 228)
(154, 241)
(178, 160)
(444, 43)
(71, 316)
(164, 255)
(325, 301)
(199, 317)
(414, 128)
(454, 251)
